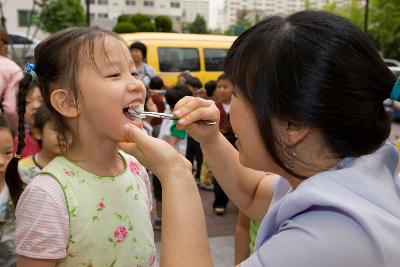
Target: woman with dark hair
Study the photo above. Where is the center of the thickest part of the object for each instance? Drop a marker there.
(308, 106)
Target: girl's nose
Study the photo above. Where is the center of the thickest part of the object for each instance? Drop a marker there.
(135, 85)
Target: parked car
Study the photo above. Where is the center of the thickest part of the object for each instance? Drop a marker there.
(391, 62)
(21, 48)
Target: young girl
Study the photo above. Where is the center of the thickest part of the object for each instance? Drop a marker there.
(43, 130)
(91, 205)
(308, 106)
(33, 100)
(7, 221)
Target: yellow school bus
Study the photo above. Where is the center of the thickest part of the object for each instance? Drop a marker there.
(172, 53)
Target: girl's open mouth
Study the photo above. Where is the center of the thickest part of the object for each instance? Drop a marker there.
(130, 114)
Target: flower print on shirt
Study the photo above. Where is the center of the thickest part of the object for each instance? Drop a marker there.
(152, 259)
(120, 234)
(134, 167)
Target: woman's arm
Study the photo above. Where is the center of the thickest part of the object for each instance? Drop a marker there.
(255, 192)
(242, 238)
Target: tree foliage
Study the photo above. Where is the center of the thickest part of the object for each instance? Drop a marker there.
(124, 27)
(163, 23)
(147, 27)
(243, 24)
(57, 15)
(138, 19)
(199, 25)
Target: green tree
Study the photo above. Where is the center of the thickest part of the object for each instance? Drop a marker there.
(163, 23)
(353, 11)
(243, 24)
(125, 27)
(123, 18)
(57, 15)
(384, 26)
(199, 25)
(138, 19)
(307, 4)
(147, 27)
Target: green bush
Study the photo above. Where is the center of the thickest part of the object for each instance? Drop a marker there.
(147, 27)
(125, 27)
(163, 23)
(123, 18)
(138, 19)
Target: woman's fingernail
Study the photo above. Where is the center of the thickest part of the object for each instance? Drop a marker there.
(177, 112)
(181, 121)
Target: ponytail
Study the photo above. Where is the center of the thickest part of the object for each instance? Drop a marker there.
(12, 177)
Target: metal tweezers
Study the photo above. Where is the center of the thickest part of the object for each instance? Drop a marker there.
(167, 117)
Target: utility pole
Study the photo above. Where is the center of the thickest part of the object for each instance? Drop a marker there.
(366, 16)
(88, 13)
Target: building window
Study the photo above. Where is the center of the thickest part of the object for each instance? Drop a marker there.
(175, 59)
(103, 2)
(215, 59)
(130, 2)
(175, 4)
(103, 15)
(148, 3)
(27, 17)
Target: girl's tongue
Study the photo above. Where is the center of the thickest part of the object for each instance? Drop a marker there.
(135, 119)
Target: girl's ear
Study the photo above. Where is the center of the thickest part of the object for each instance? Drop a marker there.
(64, 102)
(36, 133)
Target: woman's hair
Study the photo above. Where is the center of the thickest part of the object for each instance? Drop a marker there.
(5, 124)
(223, 76)
(59, 60)
(318, 70)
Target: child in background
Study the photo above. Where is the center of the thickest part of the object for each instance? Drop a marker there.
(183, 77)
(92, 204)
(174, 137)
(157, 95)
(7, 217)
(225, 92)
(193, 151)
(33, 99)
(45, 132)
(206, 176)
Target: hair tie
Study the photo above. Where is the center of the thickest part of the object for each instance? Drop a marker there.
(16, 156)
(30, 69)
(395, 94)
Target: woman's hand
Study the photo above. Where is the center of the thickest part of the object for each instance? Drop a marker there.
(155, 154)
(191, 109)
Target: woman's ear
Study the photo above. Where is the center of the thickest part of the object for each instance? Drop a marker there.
(65, 103)
(291, 133)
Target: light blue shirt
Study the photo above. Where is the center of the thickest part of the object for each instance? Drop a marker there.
(347, 216)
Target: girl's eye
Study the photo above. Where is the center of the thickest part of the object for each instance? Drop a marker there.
(135, 74)
(9, 153)
(115, 75)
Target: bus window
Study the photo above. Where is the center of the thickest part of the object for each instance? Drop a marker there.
(174, 59)
(215, 59)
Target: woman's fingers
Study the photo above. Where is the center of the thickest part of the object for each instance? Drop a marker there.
(192, 109)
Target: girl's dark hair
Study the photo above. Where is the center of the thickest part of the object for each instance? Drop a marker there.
(5, 124)
(59, 60)
(318, 70)
(210, 87)
(176, 93)
(194, 82)
(156, 83)
(223, 76)
(42, 116)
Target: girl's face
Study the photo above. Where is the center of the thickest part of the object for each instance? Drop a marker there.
(49, 139)
(252, 152)
(224, 90)
(33, 101)
(6, 150)
(109, 91)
